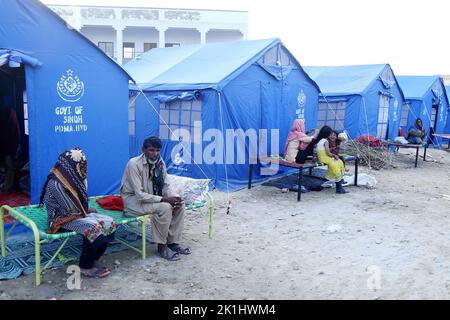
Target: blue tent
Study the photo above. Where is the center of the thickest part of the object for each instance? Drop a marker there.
(214, 92)
(447, 126)
(426, 99)
(363, 99)
(66, 93)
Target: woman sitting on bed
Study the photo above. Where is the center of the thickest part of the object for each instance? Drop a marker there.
(65, 197)
(297, 139)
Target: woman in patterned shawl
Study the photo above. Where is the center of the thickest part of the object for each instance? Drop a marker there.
(66, 200)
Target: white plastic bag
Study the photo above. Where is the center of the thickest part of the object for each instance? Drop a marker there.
(401, 140)
(191, 191)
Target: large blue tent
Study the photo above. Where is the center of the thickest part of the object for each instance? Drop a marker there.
(447, 126)
(363, 99)
(426, 99)
(66, 93)
(216, 92)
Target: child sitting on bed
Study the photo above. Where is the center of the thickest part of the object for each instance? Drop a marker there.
(334, 141)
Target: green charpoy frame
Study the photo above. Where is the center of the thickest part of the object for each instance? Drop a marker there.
(40, 237)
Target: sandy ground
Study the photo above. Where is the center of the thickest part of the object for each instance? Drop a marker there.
(391, 242)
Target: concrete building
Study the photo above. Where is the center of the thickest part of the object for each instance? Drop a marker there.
(125, 32)
(446, 79)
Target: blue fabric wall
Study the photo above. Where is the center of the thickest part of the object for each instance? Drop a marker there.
(253, 100)
(31, 27)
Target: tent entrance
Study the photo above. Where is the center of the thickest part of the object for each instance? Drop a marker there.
(14, 145)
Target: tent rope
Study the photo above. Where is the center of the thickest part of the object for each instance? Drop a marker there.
(170, 130)
(226, 170)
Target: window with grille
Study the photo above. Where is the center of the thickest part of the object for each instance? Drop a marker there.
(434, 114)
(332, 114)
(171, 44)
(405, 114)
(107, 47)
(383, 117)
(179, 115)
(128, 50)
(276, 56)
(149, 46)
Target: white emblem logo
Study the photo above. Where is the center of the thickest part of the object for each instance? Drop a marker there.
(301, 99)
(178, 160)
(70, 88)
(394, 118)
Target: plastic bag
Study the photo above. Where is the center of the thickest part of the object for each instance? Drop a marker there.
(191, 191)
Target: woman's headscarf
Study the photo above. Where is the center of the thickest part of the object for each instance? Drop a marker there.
(71, 171)
(417, 124)
(297, 132)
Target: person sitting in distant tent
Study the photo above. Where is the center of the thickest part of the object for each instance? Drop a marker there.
(9, 142)
(297, 140)
(417, 134)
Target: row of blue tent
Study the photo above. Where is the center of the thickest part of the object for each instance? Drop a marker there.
(78, 96)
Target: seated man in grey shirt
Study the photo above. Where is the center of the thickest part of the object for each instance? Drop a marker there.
(144, 191)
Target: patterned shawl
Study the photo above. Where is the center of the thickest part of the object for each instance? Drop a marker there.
(71, 171)
(156, 174)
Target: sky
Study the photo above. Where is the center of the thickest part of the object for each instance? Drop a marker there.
(413, 36)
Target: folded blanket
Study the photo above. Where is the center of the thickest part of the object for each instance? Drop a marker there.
(111, 203)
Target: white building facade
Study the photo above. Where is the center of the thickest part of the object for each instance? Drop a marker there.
(125, 32)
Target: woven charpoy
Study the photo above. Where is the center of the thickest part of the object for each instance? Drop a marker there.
(39, 216)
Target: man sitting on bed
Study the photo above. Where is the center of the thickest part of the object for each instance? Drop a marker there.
(144, 191)
(417, 134)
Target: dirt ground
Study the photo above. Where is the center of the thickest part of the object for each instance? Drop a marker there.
(390, 242)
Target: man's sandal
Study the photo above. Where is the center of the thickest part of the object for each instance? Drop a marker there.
(98, 273)
(179, 249)
(169, 255)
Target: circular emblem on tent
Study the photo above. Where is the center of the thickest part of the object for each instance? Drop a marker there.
(69, 87)
(301, 99)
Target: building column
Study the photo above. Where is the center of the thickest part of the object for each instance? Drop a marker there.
(244, 34)
(162, 36)
(119, 45)
(203, 32)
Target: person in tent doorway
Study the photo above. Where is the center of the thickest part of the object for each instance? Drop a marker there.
(65, 197)
(9, 142)
(335, 165)
(417, 134)
(144, 191)
(297, 139)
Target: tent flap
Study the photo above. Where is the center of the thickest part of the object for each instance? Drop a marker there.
(184, 96)
(13, 56)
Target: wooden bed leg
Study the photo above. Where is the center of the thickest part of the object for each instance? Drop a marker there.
(417, 156)
(356, 171)
(250, 176)
(425, 153)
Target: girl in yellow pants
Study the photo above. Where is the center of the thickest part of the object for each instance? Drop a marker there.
(336, 167)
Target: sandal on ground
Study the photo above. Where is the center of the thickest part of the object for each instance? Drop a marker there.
(97, 273)
(169, 255)
(98, 265)
(179, 249)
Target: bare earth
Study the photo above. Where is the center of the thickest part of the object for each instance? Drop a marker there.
(391, 242)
